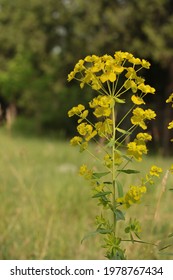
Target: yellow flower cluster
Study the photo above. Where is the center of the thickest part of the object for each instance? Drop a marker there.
(171, 169)
(170, 100)
(140, 115)
(155, 171)
(84, 171)
(96, 70)
(133, 196)
(78, 111)
(102, 105)
(86, 130)
(138, 147)
(104, 128)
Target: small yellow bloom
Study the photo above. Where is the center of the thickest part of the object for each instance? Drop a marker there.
(108, 76)
(138, 118)
(146, 88)
(132, 196)
(131, 73)
(84, 171)
(104, 128)
(171, 169)
(130, 84)
(155, 171)
(170, 99)
(136, 150)
(76, 110)
(136, 61)
(143, 136)
(137, 100)
(102, 112)
(150, 114)
(145, 64)
(170, 126)
(77, 140)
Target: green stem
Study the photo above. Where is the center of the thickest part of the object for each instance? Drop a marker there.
(113, 170)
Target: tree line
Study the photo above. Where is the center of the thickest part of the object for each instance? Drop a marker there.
(41, 40)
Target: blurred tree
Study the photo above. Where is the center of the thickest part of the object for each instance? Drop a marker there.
(41, 40)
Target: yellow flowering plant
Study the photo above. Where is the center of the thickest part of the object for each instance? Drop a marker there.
(115, 80)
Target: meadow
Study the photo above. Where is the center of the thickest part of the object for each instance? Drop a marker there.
(46, 208)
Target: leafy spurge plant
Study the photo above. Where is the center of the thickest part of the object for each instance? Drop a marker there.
(116, 82)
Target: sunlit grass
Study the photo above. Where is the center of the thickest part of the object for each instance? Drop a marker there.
(46, 208)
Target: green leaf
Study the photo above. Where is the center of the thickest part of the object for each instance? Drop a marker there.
(93, 233)
(165, 247)
(122, 131)
(104, 231)
(107, 183)
(170, 189)
(128, 171)
(100, 174)
(170, 235)
(120, 189)
(118, 100)
(111, 143)
(99, 194)
(119, 215)
(127, 158)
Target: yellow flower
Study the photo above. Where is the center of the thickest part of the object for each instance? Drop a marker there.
(86, 130)
(102, 105)
(102, 112)
(171, 169)
(136, 150)
(131, 73)
(143, 136)
(145, 64)
(76, 110)
(77, 140)
(108, 76)
(132, 196)
(84, 171)
(146, 88)
(135, 61)
(150, 114)
(83, 116)
(170, 99)
(139, 115)
(170, 126)
(104, 128)
(155, 171)
(131, 84)
(138, 118)
(137, 100)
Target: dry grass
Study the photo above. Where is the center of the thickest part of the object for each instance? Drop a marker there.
(46, 209)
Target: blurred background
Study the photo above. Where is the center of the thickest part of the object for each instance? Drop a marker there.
(40, 42)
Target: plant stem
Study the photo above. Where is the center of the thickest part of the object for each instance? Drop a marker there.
(113, 170)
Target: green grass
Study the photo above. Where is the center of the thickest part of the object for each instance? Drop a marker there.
(46, 209)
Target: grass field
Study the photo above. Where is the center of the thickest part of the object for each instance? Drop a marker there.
(46, 209)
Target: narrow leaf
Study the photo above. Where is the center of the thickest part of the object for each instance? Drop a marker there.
(93, 233)
(120, 189)
(119, 215)
(100, 174)
(170, 235)
(122, 131)
(128, 171)
(100, 194)
(104, 231)
(165, 247)
(107, 183)
(118, 100)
